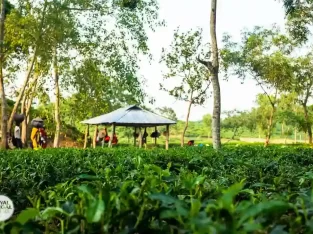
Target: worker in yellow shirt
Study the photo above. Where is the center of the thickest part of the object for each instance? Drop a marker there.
(36, 123)
(33, 138)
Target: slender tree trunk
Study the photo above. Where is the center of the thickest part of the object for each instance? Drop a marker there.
(167, 140)
(24, 123)
(216, 118)
(86, 136)
(4, 117)
(22, 91)
(270, 126)
(57, 118)
(234, 134)
(182, 141)
(94, 142)
(308, 123)
(26, 107)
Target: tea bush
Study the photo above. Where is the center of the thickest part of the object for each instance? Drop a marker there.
(245, 189)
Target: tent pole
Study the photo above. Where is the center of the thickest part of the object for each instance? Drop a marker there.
(135, 130)
(112, 135)
(86, 136)
(167, 136)
(94, 142)
(140, 138)
(155, 139)
(145, 138)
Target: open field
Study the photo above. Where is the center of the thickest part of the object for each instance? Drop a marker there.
(241, 189)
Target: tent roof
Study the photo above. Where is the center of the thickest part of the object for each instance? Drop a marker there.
(130, 116)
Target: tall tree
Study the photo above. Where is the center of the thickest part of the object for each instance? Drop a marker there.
(213, 67)
(5, 9)
(182, 64)
(111, 51)
(302, 85)
(31, 40)
(2, 91)
(264, 56)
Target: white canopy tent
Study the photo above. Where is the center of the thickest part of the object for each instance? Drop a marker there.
(131, 116)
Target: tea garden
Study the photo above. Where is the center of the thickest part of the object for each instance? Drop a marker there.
(240, 189)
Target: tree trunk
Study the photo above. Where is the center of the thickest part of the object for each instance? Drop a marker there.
(26, 107)
(86, 136)
(4, 117)
(24, 123)
(182, 141)
(216, 118)
(57, 118)
(167, 140)
(94, 142)
(308, 123)
(22, 91)
(234, 134)
(269, 127)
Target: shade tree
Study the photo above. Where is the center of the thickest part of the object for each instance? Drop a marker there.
(212, 63)
(264, 56)
(192, 79)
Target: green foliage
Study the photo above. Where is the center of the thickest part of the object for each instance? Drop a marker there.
(263, 55)
(207, 122)
(299, 19)
(168, 113)
(182, 64)
(237, 121)
(192, 190)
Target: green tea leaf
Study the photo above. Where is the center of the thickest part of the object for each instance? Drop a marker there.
(263, 208)
(27, 215)
(95, 210)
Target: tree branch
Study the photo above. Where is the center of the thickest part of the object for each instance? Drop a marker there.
(203, 91)
(266, 93)
(308, 93)
(84, 9)
(208, 64)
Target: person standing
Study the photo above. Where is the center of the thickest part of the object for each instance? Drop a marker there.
(17, 135)
(43, 138)
(34, 138)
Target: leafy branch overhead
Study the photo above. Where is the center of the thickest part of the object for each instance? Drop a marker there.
(180, 59)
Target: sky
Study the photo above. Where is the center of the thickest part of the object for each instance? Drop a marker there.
(232, 17)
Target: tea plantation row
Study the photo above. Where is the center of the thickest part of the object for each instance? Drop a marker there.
(246, 189)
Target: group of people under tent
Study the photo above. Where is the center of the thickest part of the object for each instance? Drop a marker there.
(38, 135)
(103, 137)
